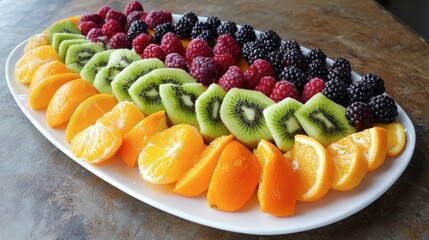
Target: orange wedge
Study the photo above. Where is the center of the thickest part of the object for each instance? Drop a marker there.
(46, 70)
(37, 40)
(125, 115)
(395, 138)
(137, 138)
(277, 190)
(197, 179)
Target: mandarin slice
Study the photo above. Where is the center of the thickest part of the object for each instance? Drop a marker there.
(137, 138)
(170, 153)
(125, 115)
(277, 190)
(46, 70)
(36, 40)
(87, 113)
(396, 138)
(373, 143)
(234, 179)
(197, 179)
(66, 99)
(350, 164)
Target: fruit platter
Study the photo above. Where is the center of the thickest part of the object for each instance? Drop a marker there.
(211, 121)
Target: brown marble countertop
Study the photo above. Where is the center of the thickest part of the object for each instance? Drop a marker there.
(46, 195)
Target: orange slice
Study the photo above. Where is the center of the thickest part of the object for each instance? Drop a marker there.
(87, 113)
(46, 70)
(35, 41)
(66, 99)
(41, 95)
(395, 138)
(234, 179)
(125, 115)
(373, 144)
(350, 164)
(277, 190)
(314, 169)
(170, 153)
(137, 138)
(197, 179)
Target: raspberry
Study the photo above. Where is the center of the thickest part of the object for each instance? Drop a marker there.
(207, 36)
(103, 11)
(316, 68)
(227, 45)
(337, 92)
(170, 43)
(233, 78)
(92, 17)
(119, 40)
(133, 6)
(270, 40)
(384, 108)
(245, 34)
(295, 76)
(94, 34)
(227, 27)
(213, 23)
(198, 47)
(376, 82)
(153, 51)
(259, 69)
(141, 42)
(205, 70)
(110, 28)
(136, 15)
(137, 27)
(224, 61)
(360, 92)
(157, 17)
(284, 89)
(118, 16)
(295, 58)
(314, 86)
(266, 85)
(360, 115)
(174, 60)
(316, 53)
(85, 27)
(185, 24)
(289, 45)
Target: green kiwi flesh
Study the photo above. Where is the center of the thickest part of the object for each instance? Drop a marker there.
(58, 38)
(242, 113)
(65, 44)
(91, 68)
(207, 108)
(64, 26)
(123, 81)
(324, 120)
(282, 122)
(145, 91)
(179, 101)
(78, 55)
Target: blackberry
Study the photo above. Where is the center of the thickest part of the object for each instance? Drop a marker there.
(276, 60)
(316, 53)
(376, 82)
(316, 68)
(336, 91)
(257, 53)
(185, 24)
(247, 48)
(340, 75)
(384, 108)
(137, 27)
(213, 23)
(360, 115)
(289, 45)
(343, 64)
(270, 40)
(162, 29)
(227, 28)
(295, 76)
(245, 34)
(295, 58)
(207, 35)
(360, 92)
(198, 29)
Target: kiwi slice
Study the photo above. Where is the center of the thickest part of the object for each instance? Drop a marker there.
(58, 38)
(282, 122)
(65, 44)
(123, 81)
(118, 60)
(145, 90)
(64, 26)
(179, 101)
(91, 68)
(324, 120)
(78, 55)
(242, 113)
(207, 108)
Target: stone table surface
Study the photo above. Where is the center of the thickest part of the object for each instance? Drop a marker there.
(46, 195)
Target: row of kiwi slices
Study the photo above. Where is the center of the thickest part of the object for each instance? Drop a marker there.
(249, 115)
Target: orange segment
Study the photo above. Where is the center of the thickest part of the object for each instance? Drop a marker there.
(197, 179)
(66, 99)
(373, 144)
(313, 167)
(395, 138)
(32, 60)
(97, 143)
(234, 179)
(350, 164)
(137, 138)
(170, 153)
(125, 115)
(41, 95)
(37, 40)
(46, 70)
(87, 113)
(277, 190)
